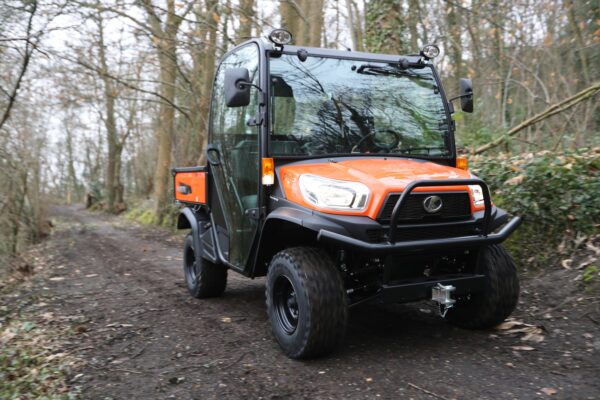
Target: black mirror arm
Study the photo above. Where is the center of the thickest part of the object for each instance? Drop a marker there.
(242, 84)
(460, 97)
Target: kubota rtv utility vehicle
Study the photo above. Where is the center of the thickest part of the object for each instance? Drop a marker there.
(335, 174)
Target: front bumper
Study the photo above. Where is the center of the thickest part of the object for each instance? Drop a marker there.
(420, 245)
(393, 246)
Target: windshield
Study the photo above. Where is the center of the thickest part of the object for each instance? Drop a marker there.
(330, 106)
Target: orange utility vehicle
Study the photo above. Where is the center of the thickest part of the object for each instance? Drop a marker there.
(335, 174)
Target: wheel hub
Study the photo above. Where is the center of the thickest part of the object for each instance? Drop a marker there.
(285, 304)
(192, 267)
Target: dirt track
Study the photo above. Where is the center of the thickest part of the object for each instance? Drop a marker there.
(143, 337)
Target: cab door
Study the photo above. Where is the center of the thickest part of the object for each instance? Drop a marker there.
(233, 154)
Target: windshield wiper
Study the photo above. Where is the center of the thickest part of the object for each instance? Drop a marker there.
(377, 70)
(410, 150)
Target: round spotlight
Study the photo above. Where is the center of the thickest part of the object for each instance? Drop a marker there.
(280, 37)
(430, 51)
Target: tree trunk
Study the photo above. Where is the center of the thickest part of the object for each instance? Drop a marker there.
(246, 16)
(293, 19)
(109, 121)
(314, 10)
(454, 24)
(568, 4)
(358, 27)
(166, 41)
(413, 16)
(208, 74)
(385, 27)
(498, 56)
(72, 176)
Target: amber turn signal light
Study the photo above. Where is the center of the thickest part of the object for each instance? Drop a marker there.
(462, 163)
(268, 171)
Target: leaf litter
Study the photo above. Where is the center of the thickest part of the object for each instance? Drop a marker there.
(527, 332)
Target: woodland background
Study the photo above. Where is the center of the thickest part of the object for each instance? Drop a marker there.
(98, 99)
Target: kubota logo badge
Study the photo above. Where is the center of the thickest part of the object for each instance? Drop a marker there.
(432, 204)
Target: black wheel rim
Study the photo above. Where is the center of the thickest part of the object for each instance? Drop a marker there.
(192, 269)
(285, 304)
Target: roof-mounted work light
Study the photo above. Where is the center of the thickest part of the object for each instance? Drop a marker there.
(430, 51)
(280, 37)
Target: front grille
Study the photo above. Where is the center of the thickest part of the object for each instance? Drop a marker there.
(455, 205)
(422, 233)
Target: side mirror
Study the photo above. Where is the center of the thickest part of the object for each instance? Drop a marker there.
(237, 87)
(466, 95)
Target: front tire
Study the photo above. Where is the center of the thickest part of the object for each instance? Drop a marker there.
(500, 295)
(202, 277)
(306, 302)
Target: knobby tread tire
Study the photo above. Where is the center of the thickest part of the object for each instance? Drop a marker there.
(499, 297)
(212, 278)
(326, 313)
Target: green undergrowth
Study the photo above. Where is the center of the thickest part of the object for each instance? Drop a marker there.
(143, 213)
(558, 195)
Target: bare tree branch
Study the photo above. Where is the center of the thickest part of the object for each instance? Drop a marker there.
(550, 111)
(25, 64)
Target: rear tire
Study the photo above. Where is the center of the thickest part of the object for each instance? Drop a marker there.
(202, 278)
(306, 302)
(500, 295)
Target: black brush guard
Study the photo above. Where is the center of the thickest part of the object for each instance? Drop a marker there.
(393, 247)
(420, 288)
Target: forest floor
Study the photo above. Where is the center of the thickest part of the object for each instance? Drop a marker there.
(130, 330)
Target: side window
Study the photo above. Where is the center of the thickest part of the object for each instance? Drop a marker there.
(232, 120)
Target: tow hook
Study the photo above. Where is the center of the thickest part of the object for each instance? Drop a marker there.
(441, 295)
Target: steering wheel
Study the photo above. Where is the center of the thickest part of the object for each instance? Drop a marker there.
(385, 139)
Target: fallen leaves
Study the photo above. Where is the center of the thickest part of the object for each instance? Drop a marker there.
(522, 348)
(548, 391)
(566, 263)
(176, 380)
(593, 248)
(118, 325)
(529, 332)
(79, 329)
(30, 353)
(517, 180)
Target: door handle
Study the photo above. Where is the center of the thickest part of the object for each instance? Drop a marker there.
(213, 155)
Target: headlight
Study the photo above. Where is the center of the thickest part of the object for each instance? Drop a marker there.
(477, 194)
(331, 193)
